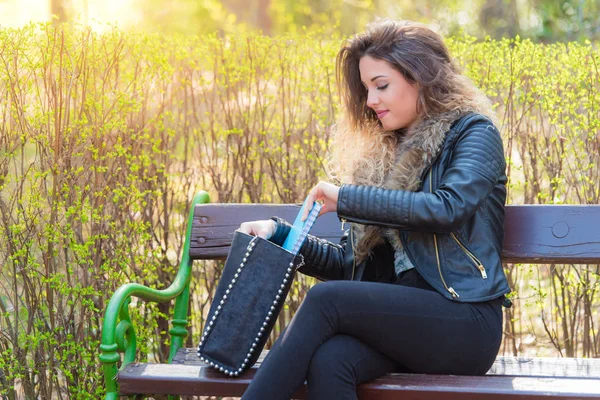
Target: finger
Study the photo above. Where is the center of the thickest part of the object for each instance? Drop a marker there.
(245, 228)
(262, 233)
(323, 210)
(309, 202)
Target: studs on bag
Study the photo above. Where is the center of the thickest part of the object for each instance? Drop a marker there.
(265, 324)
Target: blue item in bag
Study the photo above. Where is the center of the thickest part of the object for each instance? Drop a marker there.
(300, 229)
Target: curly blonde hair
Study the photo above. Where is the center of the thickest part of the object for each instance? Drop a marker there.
(362, 152)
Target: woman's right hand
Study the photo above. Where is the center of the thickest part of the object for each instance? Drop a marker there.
(265, 228)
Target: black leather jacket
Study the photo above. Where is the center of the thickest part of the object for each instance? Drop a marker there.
(452, 229)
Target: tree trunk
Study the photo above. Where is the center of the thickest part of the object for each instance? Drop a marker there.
(57, 8)
(264, 17)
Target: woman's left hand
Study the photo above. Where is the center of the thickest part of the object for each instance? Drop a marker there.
(326, 192)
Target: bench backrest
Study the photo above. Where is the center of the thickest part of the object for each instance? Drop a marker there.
(535, 234)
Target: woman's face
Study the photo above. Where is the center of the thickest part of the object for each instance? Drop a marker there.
(389, 94)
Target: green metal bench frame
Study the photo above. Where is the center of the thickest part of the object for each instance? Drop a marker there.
(118, 333)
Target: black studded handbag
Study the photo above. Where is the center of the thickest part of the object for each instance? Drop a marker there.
(256, 279)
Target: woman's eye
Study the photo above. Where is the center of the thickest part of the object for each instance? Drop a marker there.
(382, 87)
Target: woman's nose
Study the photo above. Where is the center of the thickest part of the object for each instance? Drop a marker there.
(372, 99)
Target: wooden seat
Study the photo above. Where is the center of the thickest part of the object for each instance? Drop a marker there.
(533, 234)
(509, 377)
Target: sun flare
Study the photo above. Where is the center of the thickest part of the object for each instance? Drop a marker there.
(96, 13)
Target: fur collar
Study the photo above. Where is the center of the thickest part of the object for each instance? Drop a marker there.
(417, 148)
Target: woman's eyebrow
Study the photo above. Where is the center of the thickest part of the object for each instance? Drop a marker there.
(375, 77)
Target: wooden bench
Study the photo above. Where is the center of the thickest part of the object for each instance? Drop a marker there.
(534, 234)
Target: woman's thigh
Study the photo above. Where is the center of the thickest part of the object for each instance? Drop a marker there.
(419, 329)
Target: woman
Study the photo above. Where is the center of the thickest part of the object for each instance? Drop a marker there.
(416, 283)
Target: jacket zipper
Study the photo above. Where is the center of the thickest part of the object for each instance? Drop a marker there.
(471, 256)
(352, 244)
(353, 254)
(437, 254)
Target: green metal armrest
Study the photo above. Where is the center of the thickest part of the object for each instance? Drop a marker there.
(118, 334)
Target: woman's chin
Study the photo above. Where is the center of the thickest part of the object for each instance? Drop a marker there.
(389, 128)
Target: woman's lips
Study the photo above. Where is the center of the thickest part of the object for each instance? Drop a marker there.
(381, 114)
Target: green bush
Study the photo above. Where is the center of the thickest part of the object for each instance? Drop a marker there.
(105, 137)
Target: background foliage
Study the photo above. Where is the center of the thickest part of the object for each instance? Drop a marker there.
(547, 20)
(105, 137)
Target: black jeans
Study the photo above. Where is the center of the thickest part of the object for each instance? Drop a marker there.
(346, 333)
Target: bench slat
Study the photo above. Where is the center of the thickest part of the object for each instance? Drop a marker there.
(511, 378)
(533, 233)
(214, 224)
(517, 366)
(552, 234)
